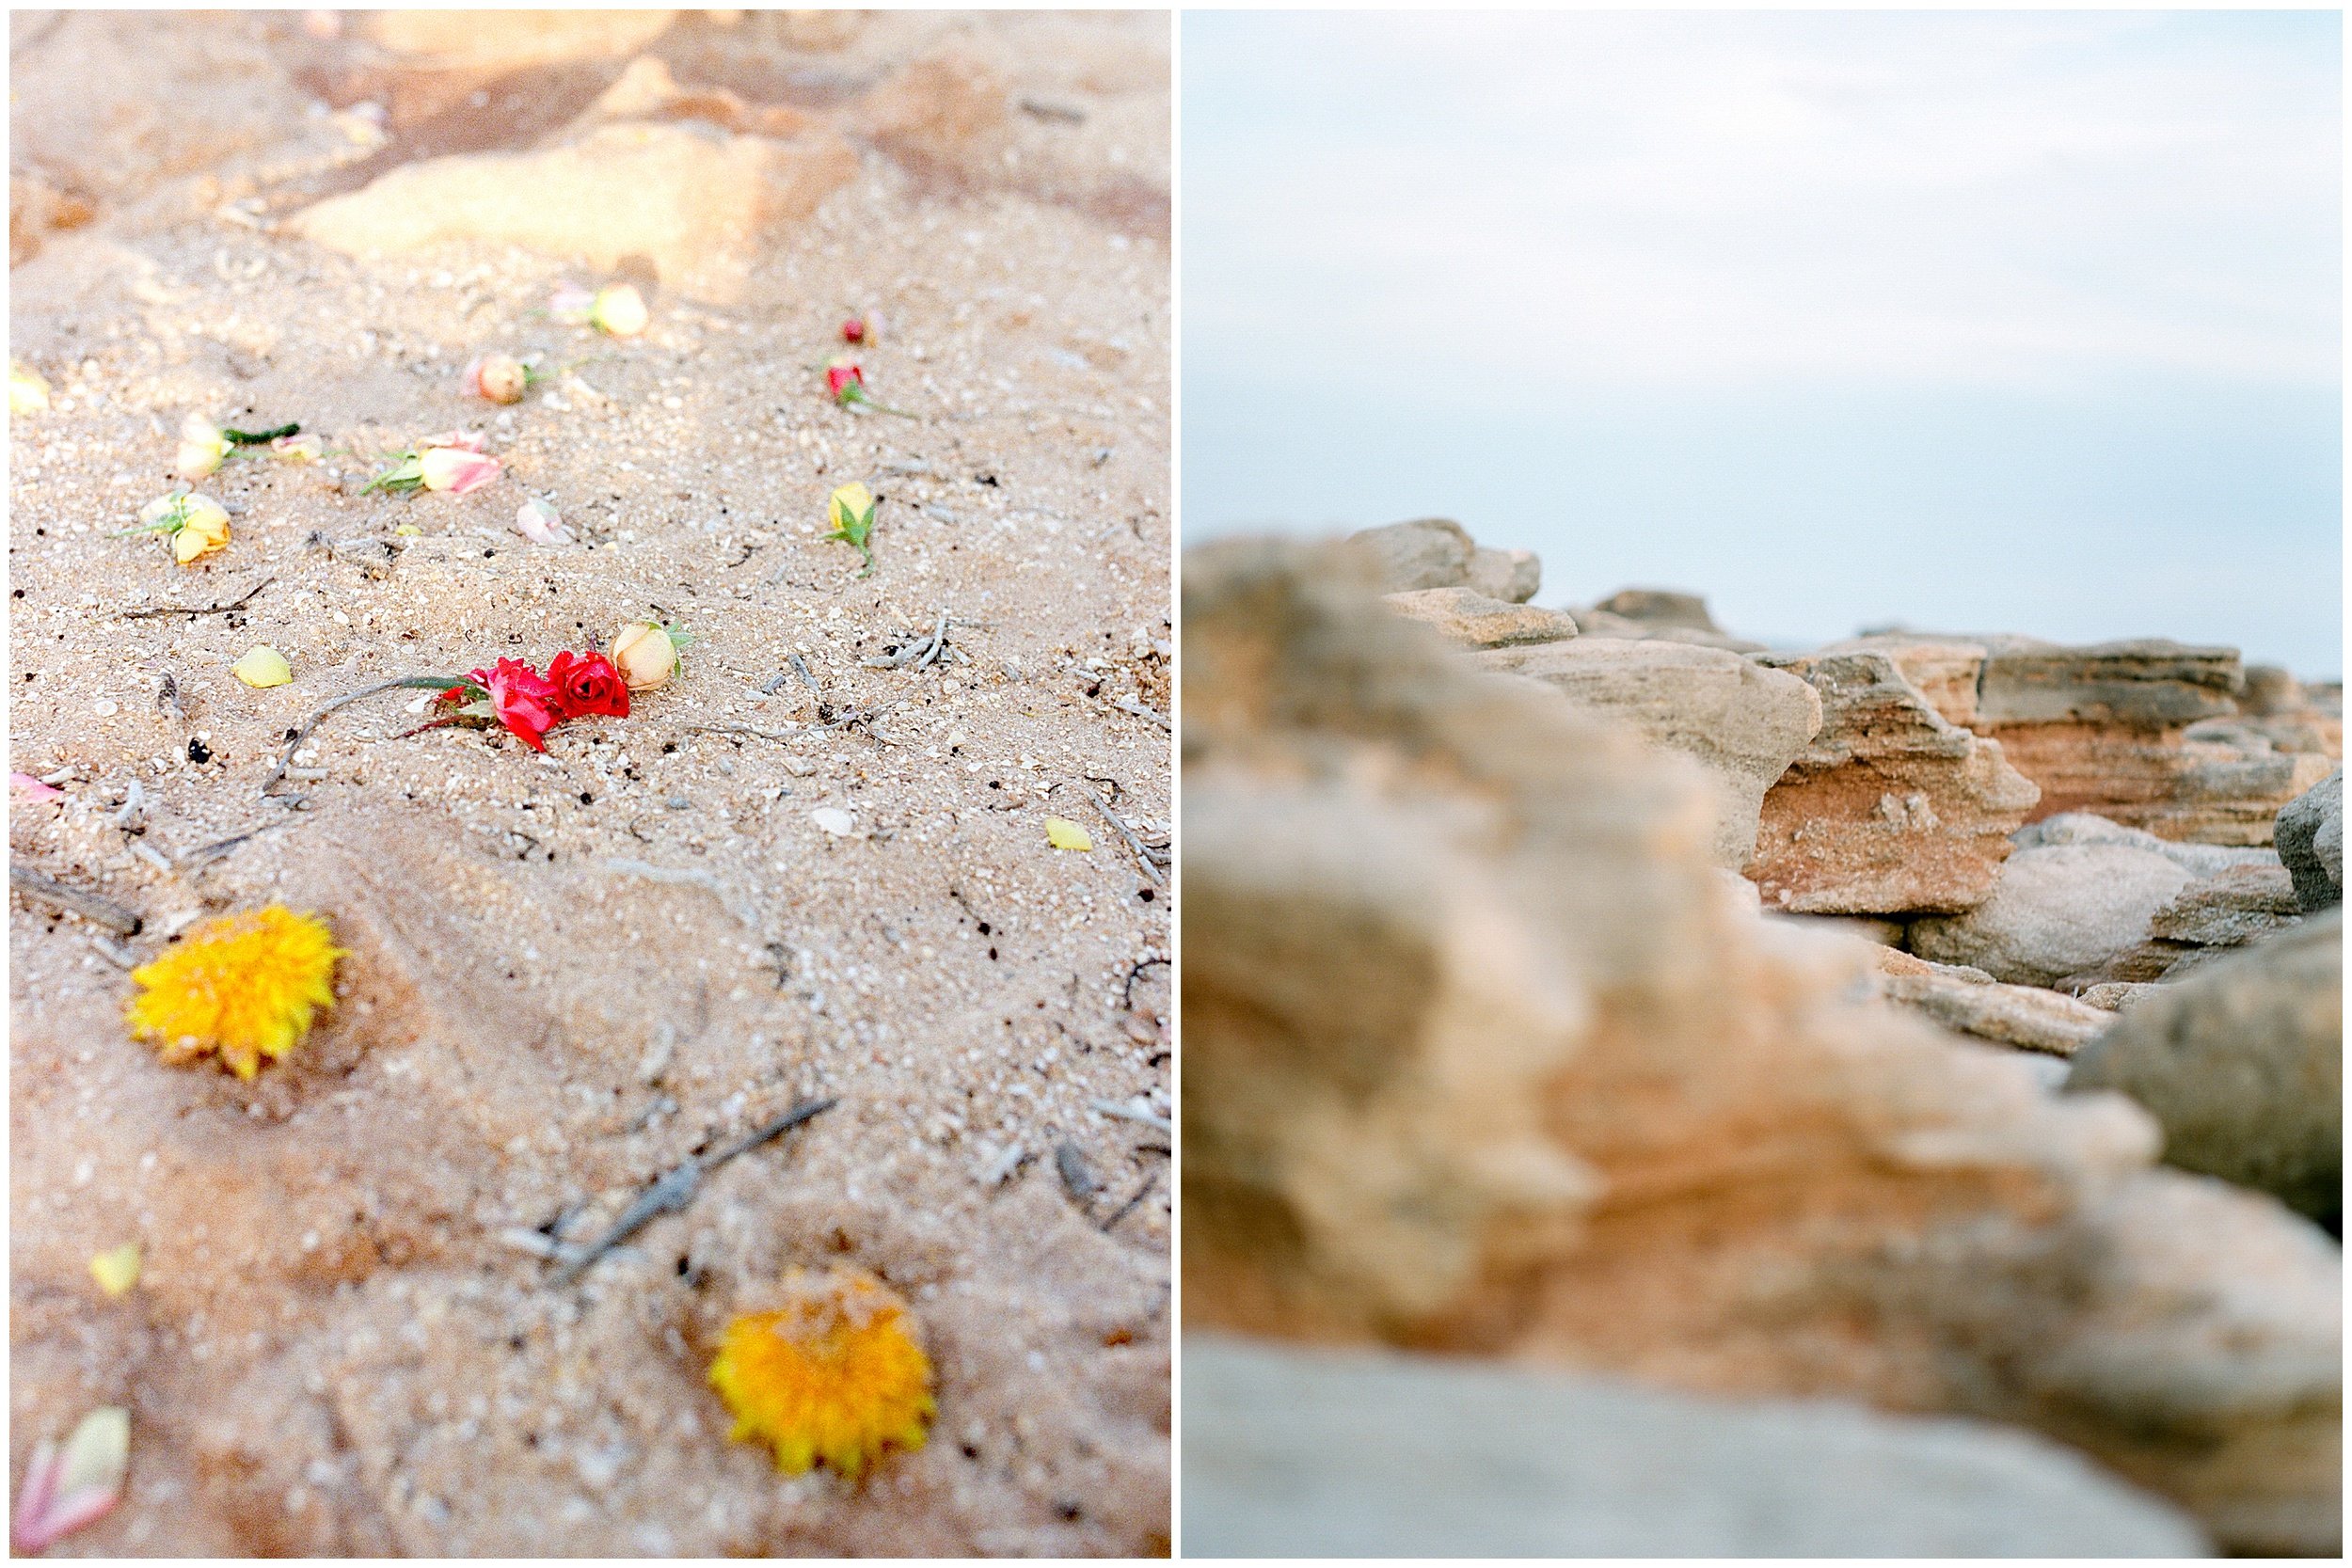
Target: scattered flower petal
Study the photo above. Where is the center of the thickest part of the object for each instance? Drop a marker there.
(409, 530)
(1062, 834)
(117, 1270)
(262, 667)
(619, 312)
(298, 449)
(570, 304)
(834, 1376)
(539, 522)
(25, 784)
(65, 1491)
(246, 986)
(28, 393)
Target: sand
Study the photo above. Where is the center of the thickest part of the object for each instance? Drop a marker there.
(570, 973)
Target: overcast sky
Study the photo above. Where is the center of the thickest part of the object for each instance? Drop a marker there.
(2020, 322)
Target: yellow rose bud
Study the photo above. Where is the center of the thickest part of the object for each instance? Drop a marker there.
(117, 1269)
(644, 655)
(619, 309)
(849, 506)
(27, 392)
(202, 447)
(261, 667)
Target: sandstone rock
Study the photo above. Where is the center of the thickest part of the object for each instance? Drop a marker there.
(2116, 995)
(1473, 620)
(514, 41)
(1601, 623)
(1483, 1056)
(1969, 1002)
(1944, 670)
(2148, 683)
(1511, 576)
(1660, 606)
(2311, 841)
(1890, 810)
(2244, 1068)
(2198, 860)
(2056, 912)
(1743, 723)
(1428, 552)
(948, 110)
(1302, 1454)
(2269, 691)
(681, 195)
(2233, 907)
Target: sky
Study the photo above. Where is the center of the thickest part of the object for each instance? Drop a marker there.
(1963, 321)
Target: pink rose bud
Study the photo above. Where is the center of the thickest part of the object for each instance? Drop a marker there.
(853, 330)
(570, 305)
(498, 379)
(457, 470)
(539, 522)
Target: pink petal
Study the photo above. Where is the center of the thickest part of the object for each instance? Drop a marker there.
(456, 470)
(33, 1498)
(65, 1515)
(34, 787)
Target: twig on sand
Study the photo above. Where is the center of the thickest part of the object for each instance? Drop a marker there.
(672, 1191)
(89, 906)
(302, 731)
(1128, 1113)
(1129, 1207)
(1135, 973)
(1143, 857)
(1128, 705)
(204, 853)
(194, 611)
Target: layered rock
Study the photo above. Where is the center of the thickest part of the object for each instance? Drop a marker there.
(1469, 619)
(1293, 1453)
(2057, 912)
(1482, 1055)
(1662, 615)
(1743, 723)
(1891, 809)
(2243, 1067)
(2112, 729)
(1970, 1001)
(1438, 552)
(2309, 833)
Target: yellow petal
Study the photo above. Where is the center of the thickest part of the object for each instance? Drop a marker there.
(27, 392)
(262, 667)
(1062, 834)
(409, 530)
(118, 1268)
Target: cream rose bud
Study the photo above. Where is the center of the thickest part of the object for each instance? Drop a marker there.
(457, 470)
(201, 446)
(619, 310)
(498, 379)
(644, 655)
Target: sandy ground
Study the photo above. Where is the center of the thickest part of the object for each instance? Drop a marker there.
(571, 972)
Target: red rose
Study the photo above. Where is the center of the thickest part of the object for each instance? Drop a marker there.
(845, 381)
(853, 330)
(587, 684)
(525, 701)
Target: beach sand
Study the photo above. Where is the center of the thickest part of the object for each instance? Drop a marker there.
(568, 973)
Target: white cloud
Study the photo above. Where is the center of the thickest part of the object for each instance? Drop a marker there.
(1728, 200)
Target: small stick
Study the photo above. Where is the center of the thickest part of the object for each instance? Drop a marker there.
(1129, 1207)
(303, 733)
(800, 665)
(194, 611)
(1133, 843)
(774, 681)
(672, 1191)
(1127, 1113)
(740, 729)
(218, 847)
(1126, 705)
(89, 906)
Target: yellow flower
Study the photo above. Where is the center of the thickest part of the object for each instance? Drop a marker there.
(246, 986)
(645, 654)
(619, 310)
(196, 526)
(27, 392)
(202, 447)
(833, 1375)
(117, 1269)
